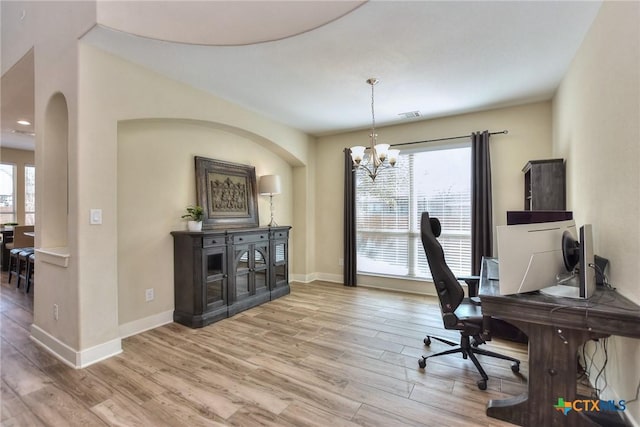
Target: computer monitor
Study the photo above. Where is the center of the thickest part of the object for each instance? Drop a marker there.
(530, 255)
(579, 259)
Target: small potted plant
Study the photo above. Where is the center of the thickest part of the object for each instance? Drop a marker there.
(194, 215)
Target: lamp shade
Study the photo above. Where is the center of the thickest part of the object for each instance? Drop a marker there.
(269, 184)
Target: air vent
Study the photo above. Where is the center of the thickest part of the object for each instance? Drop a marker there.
(410, 114)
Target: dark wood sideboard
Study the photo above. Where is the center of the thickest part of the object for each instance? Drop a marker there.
(218, 273)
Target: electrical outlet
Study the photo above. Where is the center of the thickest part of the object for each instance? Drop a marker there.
(55, 311)
(341, 262)
(148, 295)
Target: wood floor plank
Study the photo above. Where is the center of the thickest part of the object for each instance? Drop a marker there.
(57, 408)
(249, 416)
(323, 355)
(178, 411)
(406, 408)
(310, 393)
(19, 373)
(242, 390)
(13, 411)
(209, 400)
(136, 387)
(80, 384)
(123, 412)
(299, 413)
(370, 416)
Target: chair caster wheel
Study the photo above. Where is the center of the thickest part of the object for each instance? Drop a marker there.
(427, 341)
(422, 363)
(515, 368)
(482, 384)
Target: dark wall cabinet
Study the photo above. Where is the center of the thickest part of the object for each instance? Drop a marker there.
(544, 185)
(220, 273)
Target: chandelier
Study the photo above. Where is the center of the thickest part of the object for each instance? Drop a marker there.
(376, 157)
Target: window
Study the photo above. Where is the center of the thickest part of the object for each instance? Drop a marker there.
(29, 195)
(7, 192)
(388, 213)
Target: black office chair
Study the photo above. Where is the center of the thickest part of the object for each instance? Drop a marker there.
(458, 312)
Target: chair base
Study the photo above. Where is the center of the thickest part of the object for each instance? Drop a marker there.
(469, 350)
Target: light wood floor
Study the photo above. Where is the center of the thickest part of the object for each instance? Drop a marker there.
(324, 355)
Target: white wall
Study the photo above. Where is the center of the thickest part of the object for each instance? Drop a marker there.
(529, 138)
(596, 118)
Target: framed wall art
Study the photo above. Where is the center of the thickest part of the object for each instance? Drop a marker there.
(228, 194)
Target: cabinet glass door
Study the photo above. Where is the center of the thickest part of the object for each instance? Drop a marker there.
(260, 268)
(280, 272)
(281, 249)
(215, 273)
(243, 285)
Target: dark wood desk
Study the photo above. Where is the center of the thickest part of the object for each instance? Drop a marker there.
(557, 328)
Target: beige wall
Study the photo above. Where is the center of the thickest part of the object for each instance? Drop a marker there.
(529, 138)
(100, 92)
(185, 121)
(596, 116)
(156, 180)
(20, 158)
(51, 29)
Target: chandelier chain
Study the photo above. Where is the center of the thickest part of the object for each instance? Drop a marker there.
(373, 115)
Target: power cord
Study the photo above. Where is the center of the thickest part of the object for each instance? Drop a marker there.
(605, 280)
(637, 394)
(602, 371)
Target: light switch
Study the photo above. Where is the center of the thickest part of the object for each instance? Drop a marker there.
(96, 216)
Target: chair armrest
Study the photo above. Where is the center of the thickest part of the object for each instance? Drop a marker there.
(472, 284)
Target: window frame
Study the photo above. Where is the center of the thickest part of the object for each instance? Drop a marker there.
(412, 233)
(14, 195)
(27, 212)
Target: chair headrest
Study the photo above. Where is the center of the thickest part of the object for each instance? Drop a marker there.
(436, 228)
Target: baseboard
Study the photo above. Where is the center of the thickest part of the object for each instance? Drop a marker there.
(303, 278)
(71, 357)
(395, 284)
(328, 277)
(404, 288)
(144, 324)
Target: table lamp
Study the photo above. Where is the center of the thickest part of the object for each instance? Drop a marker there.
(270, 184)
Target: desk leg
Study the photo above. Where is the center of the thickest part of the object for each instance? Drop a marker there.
(552, 375)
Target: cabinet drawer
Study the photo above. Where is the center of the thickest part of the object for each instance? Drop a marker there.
(251, 238)
(209, 241)
(280, 235)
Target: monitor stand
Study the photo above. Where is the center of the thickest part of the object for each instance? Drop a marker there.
(571, 290)
(562, 291)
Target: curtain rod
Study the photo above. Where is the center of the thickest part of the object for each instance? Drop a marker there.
(446, 139)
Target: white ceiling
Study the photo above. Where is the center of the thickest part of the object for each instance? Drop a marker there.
(436, 57)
